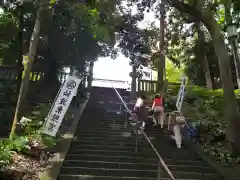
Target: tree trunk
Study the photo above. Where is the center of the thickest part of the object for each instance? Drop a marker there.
(161, 65)
(201, 54)
(228, 17)
(50, 75)
(207, 73)
(27, 70)
(90, 75)
(231, 111)
(48, 83)
(134, 81)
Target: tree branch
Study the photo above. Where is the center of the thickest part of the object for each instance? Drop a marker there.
(186, 8)
(189, 19)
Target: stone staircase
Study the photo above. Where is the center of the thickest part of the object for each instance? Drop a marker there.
(103, 150)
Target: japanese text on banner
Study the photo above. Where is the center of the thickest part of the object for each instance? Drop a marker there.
(61, 105)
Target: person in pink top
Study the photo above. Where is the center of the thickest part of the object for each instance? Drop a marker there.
(158, 110)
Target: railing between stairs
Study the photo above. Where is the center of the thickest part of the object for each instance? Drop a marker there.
(160, 160)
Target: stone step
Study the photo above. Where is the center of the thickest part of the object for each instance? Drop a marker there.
(109, 172)
(131, 144)
(106, 124)
(109, 164)
(91, 129)
(142, 143)
(122, 136)
(126, 148)
(107, 127)
(130, 133)
(107, 119)
(83, 131)
(126, 165)
(100, 146)
(102, 140)
(108, 139)
(119, 158)
(148, 153)
(119, 135)
(103, 149)
(104, 121)
(102, 129)
(158, 143)
(96, 128)
(118, 127)
(135, 173)
(86, 177)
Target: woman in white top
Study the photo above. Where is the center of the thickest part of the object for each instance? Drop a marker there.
(141, 110)
(175, 123)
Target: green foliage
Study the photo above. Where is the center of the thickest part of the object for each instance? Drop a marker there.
(52, 2)
(8, 147)
(31, 125)
(5, 155)
(207, 103)
(49, 141)
(8, 23)
(8, 30)
(207, 111)
(31, 137)
(223, 155)
(173, 73)
(221, 16)
(82, 32)
(18, 143)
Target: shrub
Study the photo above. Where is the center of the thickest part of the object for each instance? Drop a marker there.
(29, 138)
(209, 113)
(5, 155)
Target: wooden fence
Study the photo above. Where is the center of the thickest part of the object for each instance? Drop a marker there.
(11, 73)
(150, 86)
(146, 86)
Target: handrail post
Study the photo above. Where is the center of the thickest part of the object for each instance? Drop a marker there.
(159, 170)
(126, 120)
(136, 143)
(120, 108)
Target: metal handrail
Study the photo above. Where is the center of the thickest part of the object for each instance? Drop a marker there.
(161, 161)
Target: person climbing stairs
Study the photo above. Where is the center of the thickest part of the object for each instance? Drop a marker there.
(103, 149)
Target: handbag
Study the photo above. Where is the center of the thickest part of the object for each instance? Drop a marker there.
(180, 120)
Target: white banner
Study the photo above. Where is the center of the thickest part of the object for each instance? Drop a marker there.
(60, 106)
(181, 93)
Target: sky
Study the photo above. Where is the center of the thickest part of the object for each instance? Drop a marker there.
(107, 68)
(119, 68)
